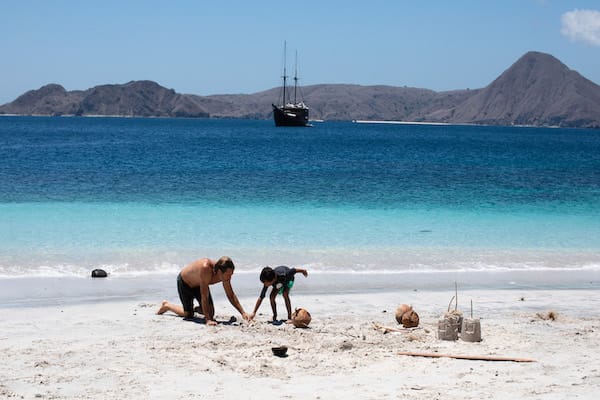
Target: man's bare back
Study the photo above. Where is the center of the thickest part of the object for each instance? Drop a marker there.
(199, 273)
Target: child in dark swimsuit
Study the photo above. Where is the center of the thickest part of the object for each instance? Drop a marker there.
(281, 279)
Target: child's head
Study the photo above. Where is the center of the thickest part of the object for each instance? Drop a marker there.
(267, 275)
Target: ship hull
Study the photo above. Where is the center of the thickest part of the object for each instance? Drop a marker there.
(290, 116)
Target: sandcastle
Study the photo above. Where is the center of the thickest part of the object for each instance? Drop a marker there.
(452, 324)
(471, 328)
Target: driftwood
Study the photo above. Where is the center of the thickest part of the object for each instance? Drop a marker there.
(462, 357)
(387, 329)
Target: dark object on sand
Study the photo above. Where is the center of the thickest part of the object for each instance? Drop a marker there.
(550, 315)
(280, 351)
(99, 273)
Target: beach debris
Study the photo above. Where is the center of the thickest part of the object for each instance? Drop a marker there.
(406, 316)
(99, 273)
(387, 329)
(471, 328)
(42, 364)
(346, 346)
(402, 308)
(550, 315)
(466, 357)
(280, 351)
(301, 318)
(410, 319)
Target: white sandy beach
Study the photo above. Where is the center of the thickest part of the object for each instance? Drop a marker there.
(122, 350)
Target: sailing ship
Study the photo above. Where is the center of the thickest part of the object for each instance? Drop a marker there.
(291, 112)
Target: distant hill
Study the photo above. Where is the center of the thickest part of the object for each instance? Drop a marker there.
(138, 98)
(537, 90)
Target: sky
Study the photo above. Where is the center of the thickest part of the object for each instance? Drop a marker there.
(226, 47)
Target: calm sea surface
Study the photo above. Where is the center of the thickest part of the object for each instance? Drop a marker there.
(141, 196)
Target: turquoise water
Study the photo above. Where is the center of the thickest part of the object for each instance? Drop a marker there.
(147, 196)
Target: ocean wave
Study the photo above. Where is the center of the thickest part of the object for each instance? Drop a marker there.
(77, 271)
(127, 270)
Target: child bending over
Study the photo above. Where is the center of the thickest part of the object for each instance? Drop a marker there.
(282, 280)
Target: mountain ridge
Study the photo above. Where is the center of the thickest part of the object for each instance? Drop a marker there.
(536, 90)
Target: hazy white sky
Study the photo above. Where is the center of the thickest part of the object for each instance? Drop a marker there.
(215, 47)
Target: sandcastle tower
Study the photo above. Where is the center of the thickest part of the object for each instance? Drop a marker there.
(448, 327)
(471, 328)
(450, 324)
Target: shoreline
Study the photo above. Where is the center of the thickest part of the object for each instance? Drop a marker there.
(354, 121)
(53, 291)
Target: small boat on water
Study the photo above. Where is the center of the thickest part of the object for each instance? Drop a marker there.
(291, 112)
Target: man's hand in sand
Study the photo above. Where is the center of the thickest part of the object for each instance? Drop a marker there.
(211, 322)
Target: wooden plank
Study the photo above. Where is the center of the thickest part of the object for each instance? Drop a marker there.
(464, 357)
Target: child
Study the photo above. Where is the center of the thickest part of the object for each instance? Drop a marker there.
(282, 280)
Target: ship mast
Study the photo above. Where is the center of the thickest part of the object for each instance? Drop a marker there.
(284, 71)
(295, 77)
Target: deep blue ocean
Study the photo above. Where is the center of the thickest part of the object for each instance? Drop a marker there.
(147, 196)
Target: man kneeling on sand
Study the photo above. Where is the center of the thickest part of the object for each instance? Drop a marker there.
(193, 283)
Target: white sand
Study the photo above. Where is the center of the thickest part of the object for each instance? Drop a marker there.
(122, 350)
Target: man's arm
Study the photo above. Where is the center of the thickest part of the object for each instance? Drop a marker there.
(234, 300)
(302, 271)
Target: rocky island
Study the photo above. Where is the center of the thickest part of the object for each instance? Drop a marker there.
(537, 90)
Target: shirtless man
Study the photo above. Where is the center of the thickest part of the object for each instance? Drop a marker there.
(193, 283)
